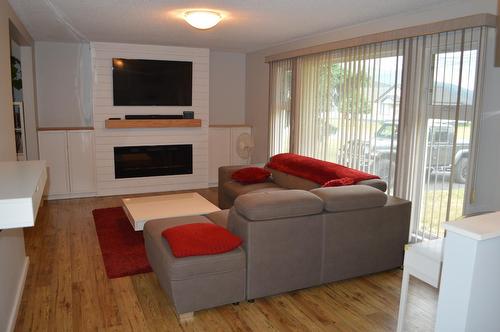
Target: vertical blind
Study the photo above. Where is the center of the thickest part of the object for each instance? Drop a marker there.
(280, 97)
(404, 110)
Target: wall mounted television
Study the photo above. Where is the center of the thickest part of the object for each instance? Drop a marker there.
(152, 82)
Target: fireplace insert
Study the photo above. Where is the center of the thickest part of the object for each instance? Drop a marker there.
(153, 160)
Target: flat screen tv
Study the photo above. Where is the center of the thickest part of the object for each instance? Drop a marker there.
(152, 82)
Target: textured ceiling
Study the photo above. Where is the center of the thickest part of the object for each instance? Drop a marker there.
(248, 24)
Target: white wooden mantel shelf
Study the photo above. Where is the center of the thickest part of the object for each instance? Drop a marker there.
(21, 191)
(152, 123)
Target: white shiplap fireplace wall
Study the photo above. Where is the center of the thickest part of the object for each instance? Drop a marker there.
(106, 139)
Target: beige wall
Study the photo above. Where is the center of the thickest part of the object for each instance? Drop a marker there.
(256, 103)
(12, 254)
(227, 88)
(257, 72)
(63, 84)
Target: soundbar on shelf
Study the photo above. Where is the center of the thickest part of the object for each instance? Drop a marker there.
(153, 116)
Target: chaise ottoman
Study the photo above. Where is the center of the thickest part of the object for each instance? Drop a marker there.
(196, 282)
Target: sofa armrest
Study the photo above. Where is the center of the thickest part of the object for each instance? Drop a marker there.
(375, 183)
(225, 173)
(283, 254)
(347, 198)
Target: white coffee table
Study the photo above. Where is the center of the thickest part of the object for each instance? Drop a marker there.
(139, 210)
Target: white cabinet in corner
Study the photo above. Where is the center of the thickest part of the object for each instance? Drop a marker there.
(222, 146)
(52, 147)
(81, 161)
(71, 162)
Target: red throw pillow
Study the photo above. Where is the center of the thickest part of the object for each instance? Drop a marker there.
(339, 182)
(251, 175)
(200, 239)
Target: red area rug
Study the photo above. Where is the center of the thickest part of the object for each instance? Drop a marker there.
(122, 248)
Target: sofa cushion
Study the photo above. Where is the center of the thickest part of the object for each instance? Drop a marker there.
(278, 204)
(187, 267)
(250, 175)
(234, 189)
(200, 239)
(350, 197)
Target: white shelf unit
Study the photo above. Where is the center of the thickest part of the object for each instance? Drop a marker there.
(21, 192)
(71, 162)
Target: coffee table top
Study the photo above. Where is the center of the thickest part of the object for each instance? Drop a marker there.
(139, 210)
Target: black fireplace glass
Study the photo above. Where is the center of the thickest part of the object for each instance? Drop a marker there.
(153, 160)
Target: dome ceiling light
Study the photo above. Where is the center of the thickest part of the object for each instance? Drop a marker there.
(202, 19)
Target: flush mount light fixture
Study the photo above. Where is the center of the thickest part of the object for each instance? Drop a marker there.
(202, 19)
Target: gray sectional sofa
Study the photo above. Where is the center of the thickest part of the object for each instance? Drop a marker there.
(292, 239)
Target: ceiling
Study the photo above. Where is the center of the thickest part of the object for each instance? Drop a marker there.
(248, 25)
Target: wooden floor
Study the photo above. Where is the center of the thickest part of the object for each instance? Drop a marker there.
(67, 290)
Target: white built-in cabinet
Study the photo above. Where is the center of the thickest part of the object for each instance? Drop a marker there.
(71, 162)
(222, 146)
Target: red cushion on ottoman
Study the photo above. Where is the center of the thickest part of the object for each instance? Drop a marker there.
(250, 175)
(200, 239)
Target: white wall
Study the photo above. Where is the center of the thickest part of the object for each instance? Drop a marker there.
(106, 139)
(227, 88)
(256, 105)
(63, 84)
(12, 253)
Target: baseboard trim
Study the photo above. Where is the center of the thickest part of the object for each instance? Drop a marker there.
(69, 196)
(19, 295)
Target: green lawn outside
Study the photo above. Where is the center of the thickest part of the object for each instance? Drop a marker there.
(434, 218)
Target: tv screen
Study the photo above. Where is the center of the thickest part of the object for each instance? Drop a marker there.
(152, 82)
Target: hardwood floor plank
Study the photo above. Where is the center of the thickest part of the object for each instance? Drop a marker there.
(158, 312)
(128, 305)
(67, 289)
(61, 289)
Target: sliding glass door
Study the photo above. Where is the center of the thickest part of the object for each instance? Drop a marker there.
(451, 73)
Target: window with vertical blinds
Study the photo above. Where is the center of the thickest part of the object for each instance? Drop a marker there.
(404, 110)
(345, 106)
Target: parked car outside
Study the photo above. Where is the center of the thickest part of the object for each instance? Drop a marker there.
(379, 153)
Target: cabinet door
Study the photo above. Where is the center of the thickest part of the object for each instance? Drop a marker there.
(219, 154)
(53, 148)
(81, 161)
(235, 133)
